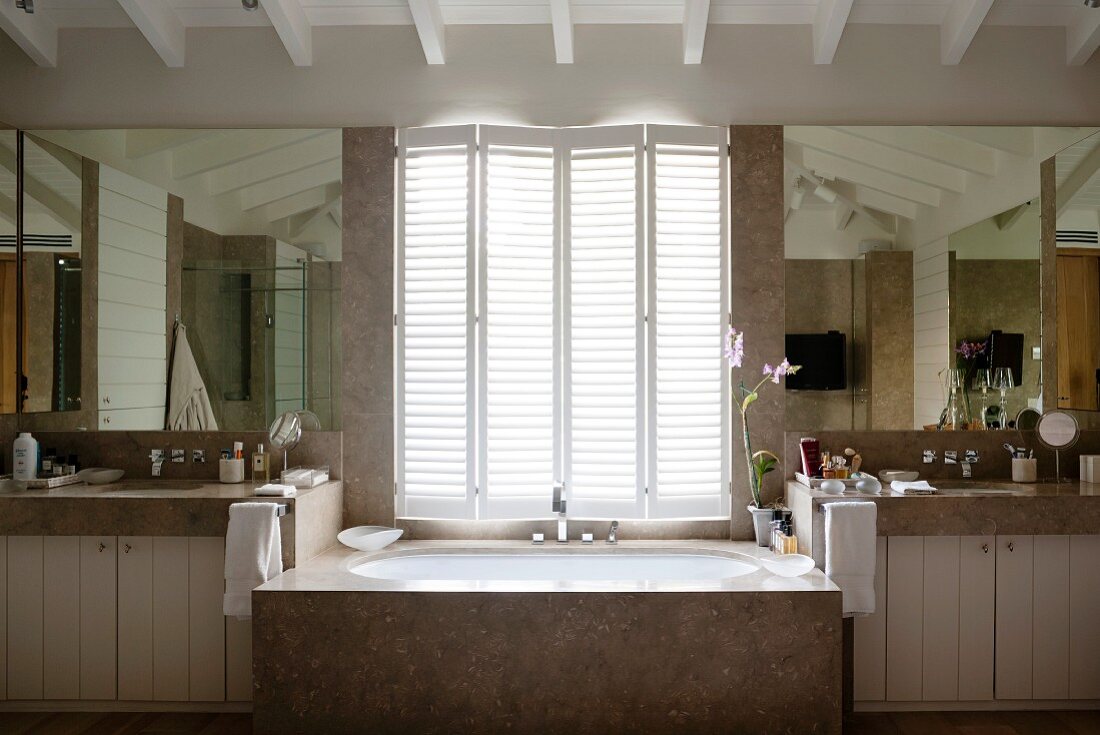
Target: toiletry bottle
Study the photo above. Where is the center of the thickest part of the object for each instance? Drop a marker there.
(261, 466)
(47, 461)
(25, 453)
(73, 465)
(788, 543)
(777, 521)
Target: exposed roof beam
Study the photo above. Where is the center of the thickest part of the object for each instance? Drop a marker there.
(7, 209)
(35, 34)
(958, 29)
(696, 14)
(64, 156)
(842, 215)
(1083, 37)
(1005, 220)
(56, 206)
(296, 229)
(936, 146)
(161, 27)
(884, 202)
(884, 222)
(879, 155)
(561, 19)
(264, 166)
(1018, 141)
(871, 177)
(295, 204)
(829, 22)
(293, 27)
(1079, 178)
(429, 26)
(281, 187)
(229, 147)
(141, 143)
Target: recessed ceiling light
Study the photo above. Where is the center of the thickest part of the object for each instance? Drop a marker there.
(1092, 3)
(250, 4)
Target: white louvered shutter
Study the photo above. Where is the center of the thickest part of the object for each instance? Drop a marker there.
(519, 264)
(435, 330)
(689, 401)
(603, 340)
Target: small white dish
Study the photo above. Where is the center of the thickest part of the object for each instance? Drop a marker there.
(888, 476)
(369, 538)
(100, 475)
(787, 565)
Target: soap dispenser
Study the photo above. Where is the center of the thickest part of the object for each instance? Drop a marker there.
(261, 466)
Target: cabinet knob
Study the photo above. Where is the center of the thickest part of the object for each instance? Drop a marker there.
(985, 548)
(101, 546)
(1011, 546)
(126, 548)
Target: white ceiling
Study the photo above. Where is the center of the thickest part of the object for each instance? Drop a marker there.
(164, 25)
(1078, 176)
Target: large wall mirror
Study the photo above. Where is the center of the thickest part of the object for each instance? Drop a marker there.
(913, 282)
(1077, 175)
(178, 279)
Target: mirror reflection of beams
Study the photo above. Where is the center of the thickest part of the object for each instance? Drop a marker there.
(181, 279)
(905, 242)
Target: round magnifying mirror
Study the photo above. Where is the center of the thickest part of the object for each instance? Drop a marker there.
(285, 433)
(1027, 418)
(1057, 430)
(310, 421)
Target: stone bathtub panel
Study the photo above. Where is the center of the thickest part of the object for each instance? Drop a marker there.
(460, 662)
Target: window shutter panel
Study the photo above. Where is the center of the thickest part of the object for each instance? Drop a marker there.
(603, 339)
(689, 391)
(435, 322)
(520, 354)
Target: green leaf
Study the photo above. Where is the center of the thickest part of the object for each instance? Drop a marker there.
(748, 401)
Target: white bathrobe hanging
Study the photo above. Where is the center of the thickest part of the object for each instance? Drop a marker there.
(188, 403)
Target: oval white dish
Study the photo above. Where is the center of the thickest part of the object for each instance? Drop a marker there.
(888, 476)
(100, 475)
(369, 538)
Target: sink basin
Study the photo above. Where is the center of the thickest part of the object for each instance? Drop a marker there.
(159, 488)
(983, 491)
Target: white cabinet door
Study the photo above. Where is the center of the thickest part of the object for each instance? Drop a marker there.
(1084, 617)
(98, 617)
(135, 618)
(24, 617)
(904, 618)
(940, 641)
(3, 617)
(170, 619)
(1050, 627)
(869, 639)
(977, 594)
(61, 617)
(1015, 619)
(206, 571)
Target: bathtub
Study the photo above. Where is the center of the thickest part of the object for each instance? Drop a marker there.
(481, 638)
(593, 566)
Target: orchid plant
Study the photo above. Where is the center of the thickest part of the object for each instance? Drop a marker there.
(762, 462)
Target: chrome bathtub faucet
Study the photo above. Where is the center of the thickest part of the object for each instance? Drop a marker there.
(559, 508)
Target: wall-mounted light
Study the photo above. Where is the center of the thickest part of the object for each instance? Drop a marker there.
(797, 194)
(1092, 3)
(26, 6)
(823, 192)
(250, 4)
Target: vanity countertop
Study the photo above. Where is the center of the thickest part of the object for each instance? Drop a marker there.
(166, 507)
(960, 508)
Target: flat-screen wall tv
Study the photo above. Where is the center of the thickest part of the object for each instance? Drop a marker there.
(823, 358)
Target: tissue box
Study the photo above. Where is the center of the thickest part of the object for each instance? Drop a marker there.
(303, 478)
(1090, 468)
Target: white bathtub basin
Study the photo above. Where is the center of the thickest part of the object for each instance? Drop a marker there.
(555, 567)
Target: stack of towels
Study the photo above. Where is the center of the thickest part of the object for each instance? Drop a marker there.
(921, 487)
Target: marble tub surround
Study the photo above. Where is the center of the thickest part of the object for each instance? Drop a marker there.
(959, 508)
(633, 530)
(762, 656)
(169, 508)
(129, 450)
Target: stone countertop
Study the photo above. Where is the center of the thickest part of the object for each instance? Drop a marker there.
(959, 508)
(330, 572)
(155, 488)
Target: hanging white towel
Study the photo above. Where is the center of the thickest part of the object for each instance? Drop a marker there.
(253, 554)
(850, 529)
(188, 403)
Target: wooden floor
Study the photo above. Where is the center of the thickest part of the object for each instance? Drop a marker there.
(975, 723)
(894, 723)
(123, 723)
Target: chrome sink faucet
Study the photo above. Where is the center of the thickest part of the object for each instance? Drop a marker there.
(613, 533)
(559, 508)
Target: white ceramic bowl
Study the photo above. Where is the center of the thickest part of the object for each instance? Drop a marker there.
(369, 538)
(100, 475)
(787, 565)
(888, 476)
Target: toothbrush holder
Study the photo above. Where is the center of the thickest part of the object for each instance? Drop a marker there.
(1024, 470)
(231, 471)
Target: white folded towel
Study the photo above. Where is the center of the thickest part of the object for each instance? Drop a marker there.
(850, 553)
(253, 554)
(921, 487)
(274, 489)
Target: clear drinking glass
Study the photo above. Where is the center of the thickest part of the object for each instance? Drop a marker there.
(956, 381)
(983, 381)
(1003, 382)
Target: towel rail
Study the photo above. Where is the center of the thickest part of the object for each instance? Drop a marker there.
(281, 509)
